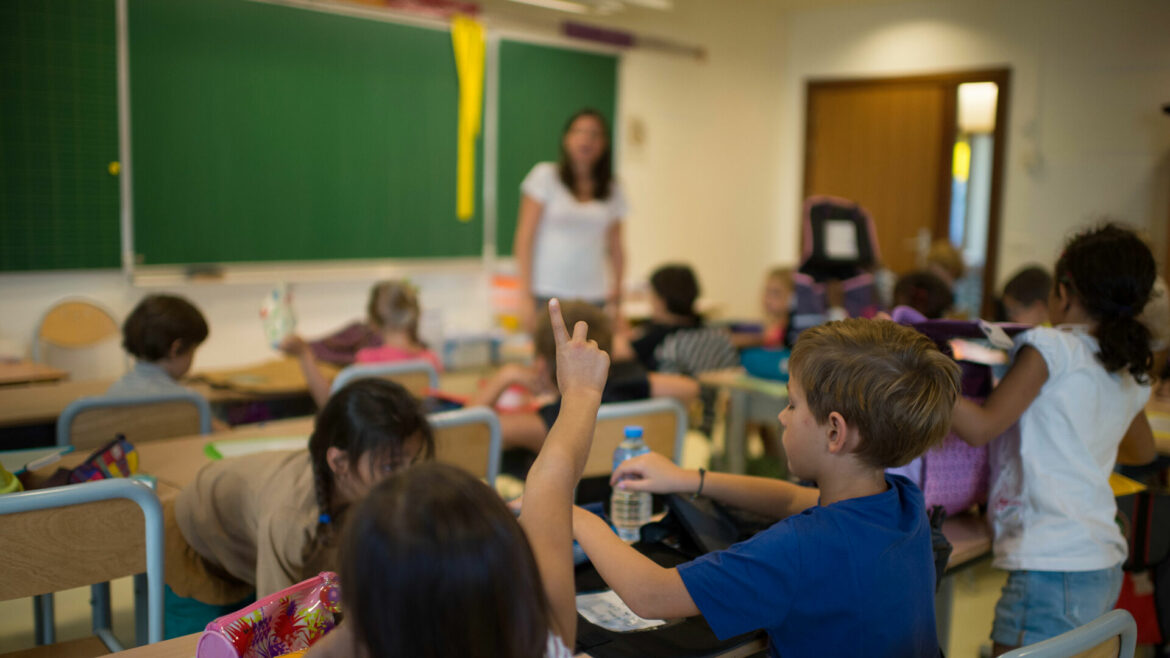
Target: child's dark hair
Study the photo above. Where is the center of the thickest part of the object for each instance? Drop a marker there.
(157, 322)
(433, 565)
(925, 293)
(602, 171)
(678, 288)
(1111, 271)
(1030, 285)
(373, 416)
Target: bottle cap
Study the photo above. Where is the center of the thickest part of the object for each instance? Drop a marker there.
(633, 431)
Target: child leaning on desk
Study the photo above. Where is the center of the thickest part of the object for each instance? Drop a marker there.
(849, 569)
(434, 564)
(260, 523)
(394, 315)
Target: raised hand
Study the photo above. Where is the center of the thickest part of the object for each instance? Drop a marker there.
(581, 365)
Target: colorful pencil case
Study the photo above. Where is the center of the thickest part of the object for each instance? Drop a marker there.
(116, 459)
(288, 621)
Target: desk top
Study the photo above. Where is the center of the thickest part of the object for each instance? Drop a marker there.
(35, 405)
(175, 462)
(739, 379)
(278, 376)
(970, 538)
(28, 372)
(1158, 411)
(29, 405)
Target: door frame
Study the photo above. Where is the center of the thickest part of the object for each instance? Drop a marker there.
(950, 80)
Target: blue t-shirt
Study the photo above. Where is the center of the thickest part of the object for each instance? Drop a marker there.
(855, 578)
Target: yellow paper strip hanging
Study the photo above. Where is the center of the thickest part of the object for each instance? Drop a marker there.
(468, 42)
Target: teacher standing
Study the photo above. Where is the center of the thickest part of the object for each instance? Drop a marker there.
(570, 224)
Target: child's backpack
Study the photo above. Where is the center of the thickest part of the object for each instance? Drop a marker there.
(840, 244)
(288, 621)
(953, 474)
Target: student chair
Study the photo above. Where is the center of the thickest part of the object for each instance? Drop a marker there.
(417, 376)
(470, 439)
(664, 425)
(84, 534)
(79, 335)
(90, 422)
(1112, 634)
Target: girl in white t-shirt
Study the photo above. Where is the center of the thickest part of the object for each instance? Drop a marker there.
(1074, 395)
(434, 564)
(570, 221)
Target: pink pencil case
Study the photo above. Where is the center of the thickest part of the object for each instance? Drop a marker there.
(288, 621)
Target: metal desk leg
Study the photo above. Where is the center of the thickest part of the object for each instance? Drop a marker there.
(735, 438)
(45, 627)
(944, 606)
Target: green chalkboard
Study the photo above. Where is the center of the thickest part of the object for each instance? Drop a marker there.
(540, 88)
(58, 135)
(265, 133)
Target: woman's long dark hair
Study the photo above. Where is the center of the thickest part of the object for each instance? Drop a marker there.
(602, 172)
(433, 565)
(1111, 271)
(367, 416)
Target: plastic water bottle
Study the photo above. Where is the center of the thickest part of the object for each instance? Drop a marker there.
(629, 510)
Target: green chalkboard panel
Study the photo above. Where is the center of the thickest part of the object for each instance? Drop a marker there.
(540, 88)
(264, 133)
(58, 135)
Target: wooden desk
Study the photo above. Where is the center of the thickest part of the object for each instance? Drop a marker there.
(179, 647)
(275, 377)
(1158, 411)
(175, 462)
(752, 399)
(41, 405)
(35, 405)
(14, 373)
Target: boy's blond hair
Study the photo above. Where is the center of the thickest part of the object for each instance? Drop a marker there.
(889, 381)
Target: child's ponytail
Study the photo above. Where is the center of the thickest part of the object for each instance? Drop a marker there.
(1111, 271)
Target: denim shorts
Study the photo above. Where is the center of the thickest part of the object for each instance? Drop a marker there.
(1037, 605)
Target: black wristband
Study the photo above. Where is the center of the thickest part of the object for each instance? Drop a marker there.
(702, 479)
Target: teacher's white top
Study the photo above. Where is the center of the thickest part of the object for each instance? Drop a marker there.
(569, 251)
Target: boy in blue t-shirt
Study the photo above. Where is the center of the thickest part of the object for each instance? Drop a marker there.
(849, 570)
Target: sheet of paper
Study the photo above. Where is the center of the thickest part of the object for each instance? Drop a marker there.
(241, 447)
(608, 611)
(841, 240)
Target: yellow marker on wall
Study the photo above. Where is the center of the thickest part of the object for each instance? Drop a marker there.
(468, 42)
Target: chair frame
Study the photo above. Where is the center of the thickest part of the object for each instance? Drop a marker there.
(82, 405)
(1111, 624)
(472, 416)
(620, 410)
(382, 370)
(148, 595)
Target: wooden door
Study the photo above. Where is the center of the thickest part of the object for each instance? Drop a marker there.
(885, 145)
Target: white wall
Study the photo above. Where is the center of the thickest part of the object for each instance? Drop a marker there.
(702, 189)
(1086, 135)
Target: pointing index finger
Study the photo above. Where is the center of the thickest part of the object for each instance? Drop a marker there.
(560, 333)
